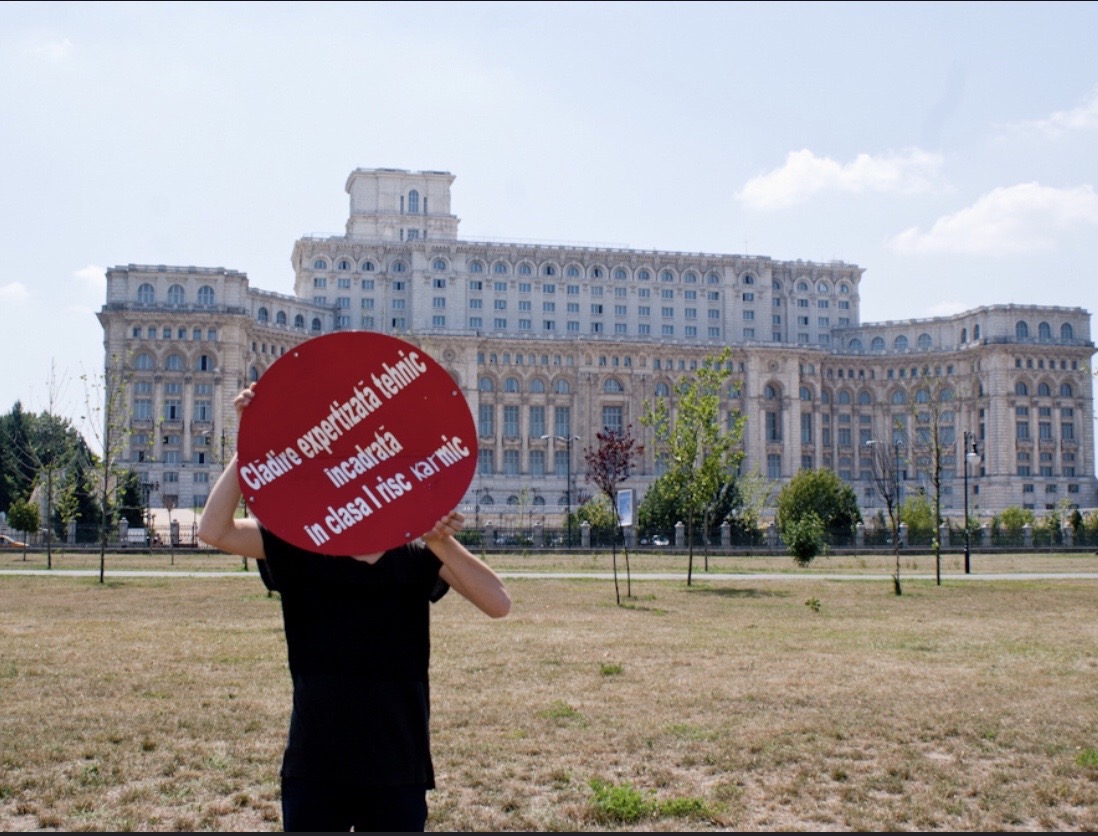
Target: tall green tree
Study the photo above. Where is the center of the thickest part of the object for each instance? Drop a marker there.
(815, 505)
(702, 452)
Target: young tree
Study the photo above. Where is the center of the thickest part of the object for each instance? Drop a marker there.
(934, 439)
(106, 397)
(23, 516)
(886, 483)
(701, 451)
(609, 466)
(815, 505)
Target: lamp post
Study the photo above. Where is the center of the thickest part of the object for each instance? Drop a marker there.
(971, 457)
(568, 439)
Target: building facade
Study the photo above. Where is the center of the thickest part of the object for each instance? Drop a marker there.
(552, 343)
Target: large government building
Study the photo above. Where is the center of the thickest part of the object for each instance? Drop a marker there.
(552, 343)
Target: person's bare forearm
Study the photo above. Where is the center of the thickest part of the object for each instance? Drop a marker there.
(466, 573)
(219, 526)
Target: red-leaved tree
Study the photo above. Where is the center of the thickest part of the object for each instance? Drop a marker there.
(608, 466)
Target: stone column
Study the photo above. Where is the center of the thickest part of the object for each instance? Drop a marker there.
(771, 537)
(903, 535)
(1027, 536)
(680, 535)
(70, 532)
(585, 534)
(539, 535)
(859, 536)
(943, 535)
(985, 535)
(726, 535)
(1068, 535)
(631, 537)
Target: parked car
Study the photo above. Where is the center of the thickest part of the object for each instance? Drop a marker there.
(11, 543)
(660, 540)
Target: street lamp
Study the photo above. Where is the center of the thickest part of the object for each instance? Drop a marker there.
(568, 480)
(971, 457)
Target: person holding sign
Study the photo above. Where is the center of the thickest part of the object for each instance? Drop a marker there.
(358, 640)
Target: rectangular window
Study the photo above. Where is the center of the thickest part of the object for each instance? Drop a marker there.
(560, 462)
(485, 463)
(537, 421)
(486, 420)
(524, 287)
(438, 302)
(499, 324)
(562, 421)
(573, 290)
(1022, 431)
(844, 437)
(773, 427)
(644, 328)
(510, 422)
(537, 462)
(548, 288)
(774, 465)
(573, 327)
(438, 321)
(612, 418)
(173, 409)
(596, 310)
(806, 428)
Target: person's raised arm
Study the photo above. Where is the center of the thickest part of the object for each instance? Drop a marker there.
(470, 576)
(219, 526)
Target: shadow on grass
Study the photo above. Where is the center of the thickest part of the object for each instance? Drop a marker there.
(726, 592)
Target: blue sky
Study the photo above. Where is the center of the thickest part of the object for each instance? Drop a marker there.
(949, 149)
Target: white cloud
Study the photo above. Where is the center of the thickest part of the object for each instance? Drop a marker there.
(1013, 220)
(54, 50)
(1081, 118)
(93, 277)
(14, 292)
(805, 175)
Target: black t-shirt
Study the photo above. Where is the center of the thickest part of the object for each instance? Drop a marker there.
(358, 637)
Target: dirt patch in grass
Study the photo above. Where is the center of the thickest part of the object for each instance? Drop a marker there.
(162, 704)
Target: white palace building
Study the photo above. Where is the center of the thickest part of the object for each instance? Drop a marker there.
(552, 343)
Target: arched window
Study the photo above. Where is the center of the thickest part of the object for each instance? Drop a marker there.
(924, 341)
(855, 345)
(398, 267)
(1067, 332)
(612, 386)
(320, 264)
(316, 324)
(899, 397)
(511, 384)
(825, 396)
(485, 384)
(487, 500)
(1066, 390)
(175, 294)
(280, 318)
(253, 374)
(525, 269)
(1020, 388)
(802, 287)
(864, 398)
(413, 201)
(499, 268)
(644, 275)
(343, 264)
(713, 278)
(368, 267)
(261, 315)
(844, 289)
(572, 272)
(204, 363)
(299, 322)
(748, 278)
(537, 385)
(690, 277)
(144, 362)
(476, 267)
(806, 393)
(1021, 330)
(1044, 332)
(667, 276)
(964, 335)
(562, 387)
(900, 343)
(549, 270)
(146, 294)
(946, 395)
(844, 396)
(206, 295)
(878, 344)
(662, 390)
(539, 500)
(596, 272)
(438, 265)
(174, 363)
(823, 287)
(922, 396)
(620, 274)
(770, 392)
(975, 332)
(1043, 390)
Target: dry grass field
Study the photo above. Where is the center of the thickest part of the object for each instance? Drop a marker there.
(161, 704)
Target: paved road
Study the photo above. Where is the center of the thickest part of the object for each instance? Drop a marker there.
(605, 576)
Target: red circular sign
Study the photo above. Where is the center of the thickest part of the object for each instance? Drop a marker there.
(355, 443)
